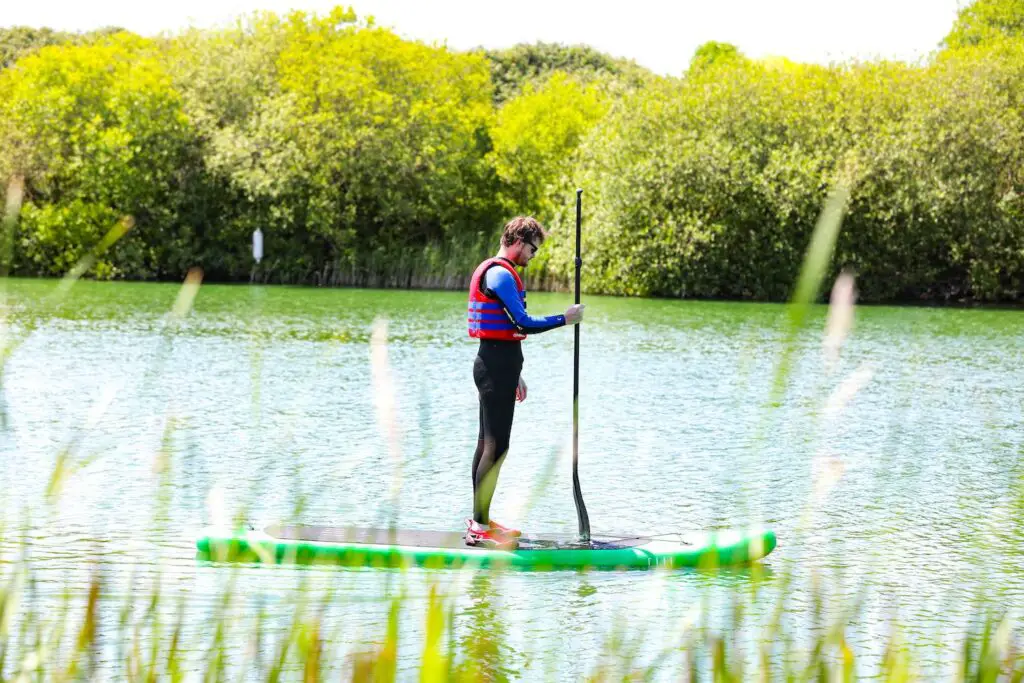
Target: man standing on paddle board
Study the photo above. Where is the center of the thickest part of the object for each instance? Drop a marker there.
(498, 318)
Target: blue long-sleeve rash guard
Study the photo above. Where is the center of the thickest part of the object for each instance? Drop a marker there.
(500, 284)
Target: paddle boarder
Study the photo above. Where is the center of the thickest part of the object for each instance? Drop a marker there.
(497, 317)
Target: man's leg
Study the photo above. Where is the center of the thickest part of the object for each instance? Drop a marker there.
(480, 444)
(497, 408)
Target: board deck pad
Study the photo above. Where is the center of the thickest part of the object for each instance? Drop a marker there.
(401, 548)
(441, 539)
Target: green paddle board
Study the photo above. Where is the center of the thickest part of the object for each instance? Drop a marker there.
(362, 547)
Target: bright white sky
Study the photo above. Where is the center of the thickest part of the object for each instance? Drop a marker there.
(659, 34)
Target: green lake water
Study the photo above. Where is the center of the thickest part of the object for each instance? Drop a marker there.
(268, 398)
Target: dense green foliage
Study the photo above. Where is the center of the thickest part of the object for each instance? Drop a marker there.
(710, 185)
(524, 64)
(99, 132)
(338, 139)
(366, 158)
(536, 133)
(987, 21)
(713, 53)
(20, 41)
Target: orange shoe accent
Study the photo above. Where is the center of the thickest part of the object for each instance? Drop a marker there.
(485, 537)
(501, 528)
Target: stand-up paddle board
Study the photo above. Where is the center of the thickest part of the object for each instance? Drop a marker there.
(360, 547)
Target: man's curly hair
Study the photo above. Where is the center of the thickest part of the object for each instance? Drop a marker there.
(524, 229)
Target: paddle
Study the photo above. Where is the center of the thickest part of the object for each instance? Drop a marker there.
(581, 508)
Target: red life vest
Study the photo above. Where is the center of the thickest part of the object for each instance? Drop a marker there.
(487, 317)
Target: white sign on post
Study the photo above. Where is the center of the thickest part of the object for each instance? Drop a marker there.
(257, 244)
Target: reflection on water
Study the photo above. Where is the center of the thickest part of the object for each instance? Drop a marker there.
(484, 640)
(264, 396)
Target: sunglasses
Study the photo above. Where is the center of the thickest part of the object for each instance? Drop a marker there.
(532, 245)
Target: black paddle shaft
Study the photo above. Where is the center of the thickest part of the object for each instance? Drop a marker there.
(581, 508)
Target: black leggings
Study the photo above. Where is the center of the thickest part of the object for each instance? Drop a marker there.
(496, 373)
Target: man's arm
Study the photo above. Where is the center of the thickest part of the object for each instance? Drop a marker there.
(501, 285)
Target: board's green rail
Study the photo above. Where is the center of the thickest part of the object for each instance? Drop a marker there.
(704, 550)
